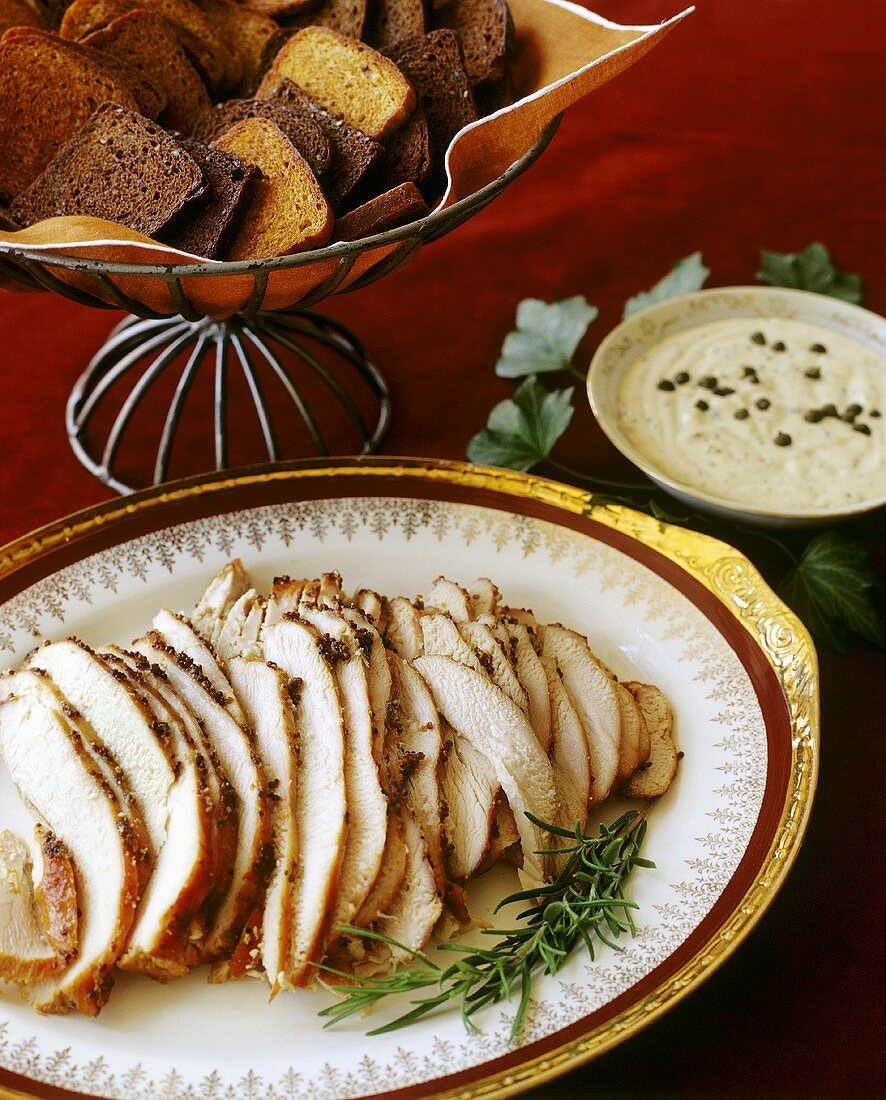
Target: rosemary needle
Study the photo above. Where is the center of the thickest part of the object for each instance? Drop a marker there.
(585, 902)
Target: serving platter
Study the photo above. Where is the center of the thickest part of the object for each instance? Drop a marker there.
(658, 603)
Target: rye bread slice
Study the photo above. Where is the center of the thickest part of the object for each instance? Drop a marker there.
(19, 13)
(407, 156)
(486, 32)
(434, 65)
(353, 154)
(395, 207)
(392, 21)
(34, 126)
(286, 210)
(280, 9)
(348, 17)
(300, 127)
(120, 166)
(146, 43)
(207, 224)
(254, 37)
(345, 77)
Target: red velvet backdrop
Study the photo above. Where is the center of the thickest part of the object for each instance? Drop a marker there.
(757, 123)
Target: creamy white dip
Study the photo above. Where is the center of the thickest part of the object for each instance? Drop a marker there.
(739, 409)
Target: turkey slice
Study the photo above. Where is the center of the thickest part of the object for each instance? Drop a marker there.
(239, 634)
(185, 865)
(468, 788)
(484, 597)
(264, 692)
(366, 802)
(631, 725)
(235, 747)
(568, 753)
(379, 679)
(451, 599)
(59, 779)
(531, 673)
(221, 593)
(496, 664)
(372, 605)
(402, 629)
(594, 698)
(179, 634)
(27, 953)
(654, 778)
(497, 728)
(284, 599)
(55, 893)
(321, 806)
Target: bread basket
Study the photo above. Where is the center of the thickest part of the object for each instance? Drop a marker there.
(187, 314)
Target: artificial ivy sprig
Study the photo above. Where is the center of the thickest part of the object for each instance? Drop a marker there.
(586, 901)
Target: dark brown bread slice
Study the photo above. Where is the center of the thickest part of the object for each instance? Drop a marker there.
(300, 127)
(48, 90)
(192, 28)
(280, 9)
(392, 21)
(434, 65)
(286, 209)
(486, 33)
(7, 224)
(407, 156)
(19, 13)
(147, 44)
(255, 37)
(120, 166)
(354, 155)
(348, 17)
(396, 207)
(206, 225)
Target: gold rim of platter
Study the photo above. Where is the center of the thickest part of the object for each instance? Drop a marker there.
(723, 571)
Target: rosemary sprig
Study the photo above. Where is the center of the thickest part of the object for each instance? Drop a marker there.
(586, 901)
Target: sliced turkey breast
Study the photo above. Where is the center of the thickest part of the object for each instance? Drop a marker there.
(239, 634)
(221, 593)
(531, 674)
(183, 872)
(503, 835)
(367, 804)
(484, 597)
(372, 605)
(468, 787)
(55, 893)
(284, 599)
(418, 728)
(59, 779)
(654, 778)
(403, 629)
(451, 599)
(27, 954)
(235, 747)
(631, 722)
(520, 615)
(379, 679)
(594, 698)
(123, 722)
(177, 632)
(441, 638)
(390, 876)
(480, 711)
(294, 646)
(491, 655)
(417, 906)
(568, 752)
(330, 592)
(264, 692)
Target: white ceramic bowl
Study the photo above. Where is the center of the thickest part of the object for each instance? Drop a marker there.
(647, 327)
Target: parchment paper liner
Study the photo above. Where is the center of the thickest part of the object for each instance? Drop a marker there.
(562, 53)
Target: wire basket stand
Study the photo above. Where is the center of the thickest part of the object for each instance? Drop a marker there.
(286, 346)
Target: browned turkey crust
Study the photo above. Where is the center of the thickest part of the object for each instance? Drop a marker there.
(58, 778)
(55, 893)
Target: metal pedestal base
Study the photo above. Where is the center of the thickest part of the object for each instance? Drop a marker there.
(284, 346)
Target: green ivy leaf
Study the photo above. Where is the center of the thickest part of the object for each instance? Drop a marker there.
(545, 338)
(811, 269)
(521, 432)
(830, 588)
(686, 275)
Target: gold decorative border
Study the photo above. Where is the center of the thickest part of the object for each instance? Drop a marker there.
(722, 570)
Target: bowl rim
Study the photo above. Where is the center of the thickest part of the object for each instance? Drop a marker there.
(431, 226)
(608, 419)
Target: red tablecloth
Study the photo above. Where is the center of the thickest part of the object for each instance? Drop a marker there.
(758, 123)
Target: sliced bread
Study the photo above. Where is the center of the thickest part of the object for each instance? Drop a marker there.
(19, 13)
(286, 210)
(354, 155)
(391, 21)
(346, 78)
(300, 127)
(396, 207)
(253, 36)
(434, 65)
(279, 9)
(407, 156)
(120, 166)
(48, 90)
(147, 44)
(348, 17)
(486, 32)
(211, 218)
